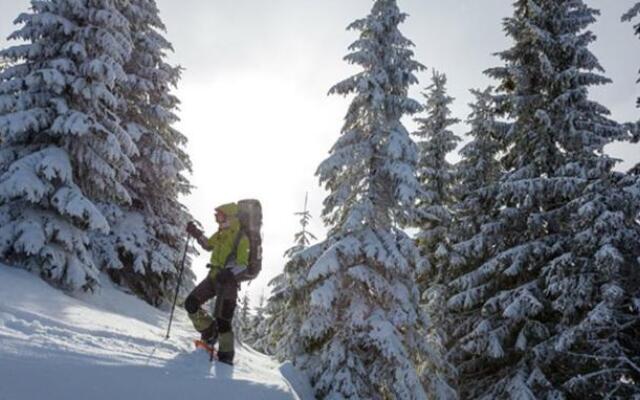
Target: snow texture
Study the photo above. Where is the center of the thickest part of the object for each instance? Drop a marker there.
(360, 330)
(547, 297)
(90, 167)
(63, 145)
(148, 236)
(435, 216)
(112, 346)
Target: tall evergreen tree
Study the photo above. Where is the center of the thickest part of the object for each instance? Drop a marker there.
(478, 173)
(241, 321)
(478, 170)
(288, 300)
(437, 178)
(276, 315)
(435, 205)
(63, 145)
(147, 239)
(256, 337)
(559, 238)
(361, 328)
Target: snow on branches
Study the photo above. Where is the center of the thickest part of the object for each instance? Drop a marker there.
(361, 329)
(63, 144)
(90, 167)
(288, 301)
(148, 235)
(559, 232)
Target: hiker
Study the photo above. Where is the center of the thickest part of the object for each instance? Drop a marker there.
(230, 247)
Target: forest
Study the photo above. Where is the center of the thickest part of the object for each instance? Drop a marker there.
(513, 273)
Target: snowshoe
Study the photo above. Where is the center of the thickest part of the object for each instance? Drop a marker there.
(203, 345)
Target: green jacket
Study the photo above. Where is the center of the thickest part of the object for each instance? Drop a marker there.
(222, 241)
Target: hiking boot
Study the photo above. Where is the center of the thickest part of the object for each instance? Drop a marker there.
(226, 357)
(210, 335)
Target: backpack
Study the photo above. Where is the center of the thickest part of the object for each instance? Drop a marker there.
(250, 217)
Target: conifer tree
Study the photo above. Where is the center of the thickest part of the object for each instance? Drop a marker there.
(479, 168)
(437, 176)
(478, 173)
(547, 297)
(361, 328)
(241, 321)
(63, 146)
(435, 205)
(147, 236)
(276, 314)
(288, 300)
(257, 329)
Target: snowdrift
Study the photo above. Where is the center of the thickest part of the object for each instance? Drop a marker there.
(110, 346)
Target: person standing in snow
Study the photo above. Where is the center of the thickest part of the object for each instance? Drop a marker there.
(229, 248)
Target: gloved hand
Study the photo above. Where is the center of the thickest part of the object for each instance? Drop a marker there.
(225, 277)
(193, 230)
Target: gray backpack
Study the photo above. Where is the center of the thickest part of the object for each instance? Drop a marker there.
(250, 217)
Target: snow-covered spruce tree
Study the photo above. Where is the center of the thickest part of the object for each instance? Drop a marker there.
(241, 320)
(435, 205)
(544, 306)
(435, 215)
(437, 177)
(147, 238)
(257, 327)
(63, 147)
(477, 172)
(288, 299)
(631, 186)
(479, 169)
(597, 343)
(275, 310)
(361, 328)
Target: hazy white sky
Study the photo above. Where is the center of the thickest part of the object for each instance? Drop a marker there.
(254, 102)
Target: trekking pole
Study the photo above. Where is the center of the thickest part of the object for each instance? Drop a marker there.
(175, 298)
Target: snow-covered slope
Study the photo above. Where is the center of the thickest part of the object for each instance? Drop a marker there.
(110, 346)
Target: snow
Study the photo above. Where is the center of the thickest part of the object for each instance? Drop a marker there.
(532, 307)
(110, 345)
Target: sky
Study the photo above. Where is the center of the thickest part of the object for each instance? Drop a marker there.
(254, 92)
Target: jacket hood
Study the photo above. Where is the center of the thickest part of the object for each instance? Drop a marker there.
(229, 209)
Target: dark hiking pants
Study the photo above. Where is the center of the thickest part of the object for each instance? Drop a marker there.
(225, 304)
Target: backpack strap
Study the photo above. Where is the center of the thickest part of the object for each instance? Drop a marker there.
(233, 256)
